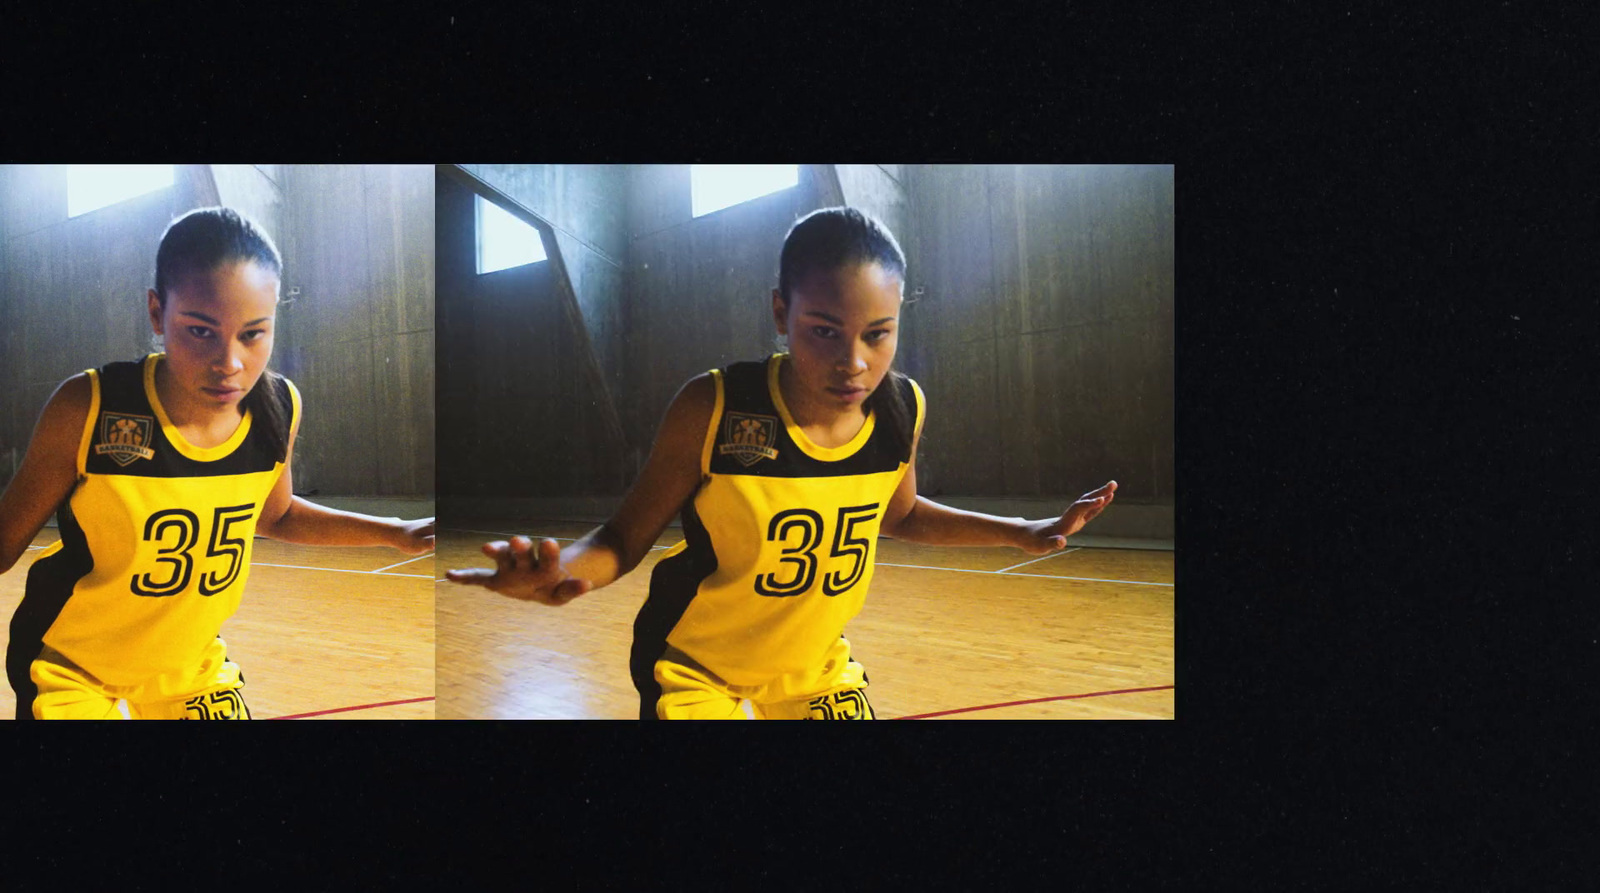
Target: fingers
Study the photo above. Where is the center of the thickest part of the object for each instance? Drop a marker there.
(519, 555)
(549, 553)
(475, 576)
(1106, 490)
(524, 571)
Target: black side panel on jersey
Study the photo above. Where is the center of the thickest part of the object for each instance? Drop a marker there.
(50, 583)
(746, 393)
(673, 585)
(125, 406)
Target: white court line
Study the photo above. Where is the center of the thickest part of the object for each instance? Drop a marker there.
(1040, 558)
(962, 570)
(407, 561)
(1008, 571)
(563, 539)
(338, 570)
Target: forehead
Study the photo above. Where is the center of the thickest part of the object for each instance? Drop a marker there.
(244, 290)
(865, 289)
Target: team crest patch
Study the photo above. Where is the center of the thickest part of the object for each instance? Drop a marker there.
(749, 438)
(125, 437)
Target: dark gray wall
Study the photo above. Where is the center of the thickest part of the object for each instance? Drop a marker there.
(72, 291)
(517, 420)
(1044, 336)
(1040, 323)
(1043, 333)
(360, 333)
(356, 240)
(584, 205)
(698, 289)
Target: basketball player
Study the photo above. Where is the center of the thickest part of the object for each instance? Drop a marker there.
(786, 470)
(162, 471)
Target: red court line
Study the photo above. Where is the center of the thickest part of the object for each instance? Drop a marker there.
(348, 709)
(1096, 694)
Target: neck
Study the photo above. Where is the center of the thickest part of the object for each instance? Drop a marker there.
(182, 409)
(806, 411)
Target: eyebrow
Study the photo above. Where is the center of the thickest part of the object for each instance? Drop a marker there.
(206, 319)
(839, 322)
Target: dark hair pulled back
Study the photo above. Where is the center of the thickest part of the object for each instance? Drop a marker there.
(830, 239)
(203, 240)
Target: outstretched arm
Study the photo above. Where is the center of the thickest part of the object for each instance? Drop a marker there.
(933, 524)
(554, 576)
(293, 519)
(49, 469)
(918, 519)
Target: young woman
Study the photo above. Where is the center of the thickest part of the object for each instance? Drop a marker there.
(162, 471)
(786, 471)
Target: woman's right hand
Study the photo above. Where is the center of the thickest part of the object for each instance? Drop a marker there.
(521, 572)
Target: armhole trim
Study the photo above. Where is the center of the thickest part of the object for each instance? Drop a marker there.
(922, 409)
(88, 423)
(294, 420)
(294, 410)
(711, 427)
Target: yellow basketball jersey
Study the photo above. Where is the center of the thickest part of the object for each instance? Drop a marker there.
(155, 538)
(779, 539)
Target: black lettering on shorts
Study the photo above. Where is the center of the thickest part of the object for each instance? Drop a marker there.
(850, 703)
(224, 704)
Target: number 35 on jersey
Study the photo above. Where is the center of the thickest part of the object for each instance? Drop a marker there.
(209, 552)
(802, 532)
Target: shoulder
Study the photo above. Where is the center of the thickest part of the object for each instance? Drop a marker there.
(698, 397)
(75, 396)
(67, 411)
(690, 413)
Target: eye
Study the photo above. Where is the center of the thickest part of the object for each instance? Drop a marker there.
(253, 336)
(823, 331)
(199, 331)
(876, 335)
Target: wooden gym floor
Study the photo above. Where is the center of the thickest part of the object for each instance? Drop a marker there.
(322, 632)
(957, 633)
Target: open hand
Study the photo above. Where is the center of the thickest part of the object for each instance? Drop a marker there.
(523, 573)
(415, 537)
(1049, 536)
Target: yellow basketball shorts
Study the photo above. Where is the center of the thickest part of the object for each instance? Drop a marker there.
(210, 691)
(836, 690)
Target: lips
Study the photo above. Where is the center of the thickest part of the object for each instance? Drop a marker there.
(849, 392)
(223, 393)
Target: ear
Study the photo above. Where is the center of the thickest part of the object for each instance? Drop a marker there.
(780, 313)
(155, 312)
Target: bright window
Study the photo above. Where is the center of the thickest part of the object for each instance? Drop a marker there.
(94, 186)
(713, 187)
(503, 240)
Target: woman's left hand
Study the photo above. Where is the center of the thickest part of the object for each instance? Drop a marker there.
(1048, 536)
(414, 537)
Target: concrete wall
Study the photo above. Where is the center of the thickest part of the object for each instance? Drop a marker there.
(357, 241)
(72, 291)
(698, 289)
(1044, 336)
(360, 333)
(515, 420)
(585, 207)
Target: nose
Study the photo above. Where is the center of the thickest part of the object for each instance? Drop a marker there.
(853, 360)
(231, 361)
